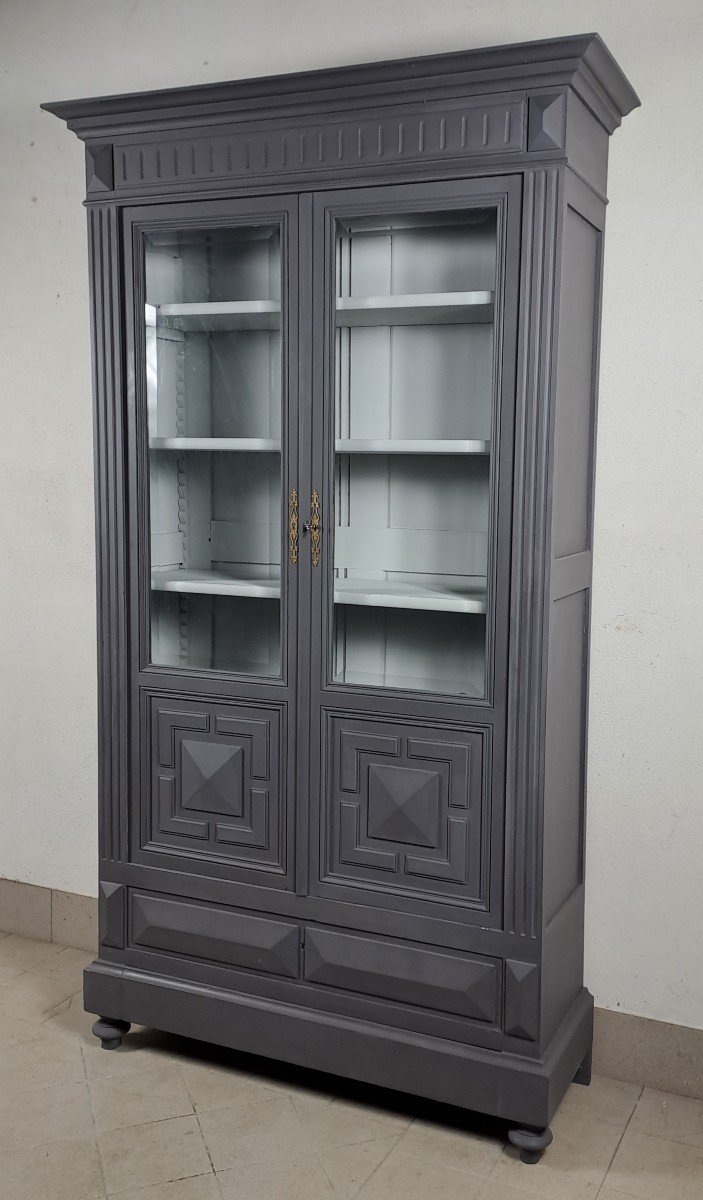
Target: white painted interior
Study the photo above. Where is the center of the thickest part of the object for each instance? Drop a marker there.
(646, 749)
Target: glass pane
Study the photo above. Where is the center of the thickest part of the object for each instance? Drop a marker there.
(413, 420)
(213, 352)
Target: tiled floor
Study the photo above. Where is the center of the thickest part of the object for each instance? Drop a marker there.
(167, 1119)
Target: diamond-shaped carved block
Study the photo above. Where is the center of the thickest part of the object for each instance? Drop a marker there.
(212, 778)
(403, 805)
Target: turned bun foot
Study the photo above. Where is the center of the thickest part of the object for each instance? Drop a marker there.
(531, 1143)
(110, 1031)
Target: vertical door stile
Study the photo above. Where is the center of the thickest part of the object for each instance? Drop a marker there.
(309, 316)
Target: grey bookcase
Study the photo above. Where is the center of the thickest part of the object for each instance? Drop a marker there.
(346, 332)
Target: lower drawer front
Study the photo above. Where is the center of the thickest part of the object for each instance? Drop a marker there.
(217, 934)
(396, 971)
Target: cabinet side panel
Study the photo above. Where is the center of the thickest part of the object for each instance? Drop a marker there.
(574, 420)
(576, 381)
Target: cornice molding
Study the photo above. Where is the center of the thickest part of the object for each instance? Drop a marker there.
(582, 62)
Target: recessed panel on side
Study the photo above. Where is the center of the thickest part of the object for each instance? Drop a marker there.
(564, 766)
(576, 386)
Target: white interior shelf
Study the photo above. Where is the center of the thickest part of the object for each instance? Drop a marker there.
(218, 443)
(412, 683)
(410, 446)
(427, 308)
(215, 583)
(214, 316)
(435, 594)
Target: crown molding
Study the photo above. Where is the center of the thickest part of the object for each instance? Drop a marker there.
(582, 62)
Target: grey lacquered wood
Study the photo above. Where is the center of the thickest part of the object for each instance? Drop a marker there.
(270, 866)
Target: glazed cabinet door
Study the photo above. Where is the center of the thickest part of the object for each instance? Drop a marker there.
(212, 347)
(414, 348)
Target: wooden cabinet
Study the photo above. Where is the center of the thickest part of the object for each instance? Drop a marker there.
(345, 361)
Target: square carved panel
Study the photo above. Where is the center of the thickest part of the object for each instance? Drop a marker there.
(215, 787)
(404, 808)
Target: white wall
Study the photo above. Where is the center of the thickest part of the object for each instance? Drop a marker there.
(645, 838)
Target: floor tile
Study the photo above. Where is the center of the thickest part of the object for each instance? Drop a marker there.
(276, 1180)
(154, 1153)
(665, 1115)
(155, 1094)
(255, 1133)
(340, 1123)
(45, 1114)
(70, 1018)
(574, 1166)
(14, 1030)
(42, 1062)
(198, 1187)
(458, 1149)
(41, 989)
(61, 1171)
(654, 1168)
(141, 1050)
(490, 1190)
(604, 1099)
(18, 954)
(215, 1085)
(406, 1177)
(349, 1167)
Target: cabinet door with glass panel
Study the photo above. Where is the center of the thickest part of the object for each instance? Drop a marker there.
(415, 375)
(215, 324)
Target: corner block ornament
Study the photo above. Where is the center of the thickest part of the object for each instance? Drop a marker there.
(100, 173)
(546, 122)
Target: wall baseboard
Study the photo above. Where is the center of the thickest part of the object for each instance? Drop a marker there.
(635, 1049)
(49, 915)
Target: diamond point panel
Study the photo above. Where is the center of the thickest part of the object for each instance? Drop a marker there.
(406, 809)
(212, 777)
(403, 805)
(215, 784)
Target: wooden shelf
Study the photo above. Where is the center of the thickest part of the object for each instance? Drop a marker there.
(436, 594)
(409, 446)
(270, 445)
(410, 683)
(215, 583)
(432, 308)
(216, 316)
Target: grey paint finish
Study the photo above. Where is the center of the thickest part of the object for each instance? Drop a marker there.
(214, 934)
(416, 976)
(383, 883)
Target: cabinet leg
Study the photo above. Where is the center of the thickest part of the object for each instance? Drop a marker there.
(110, 1031)
(531, 1143)
(583, 1075)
